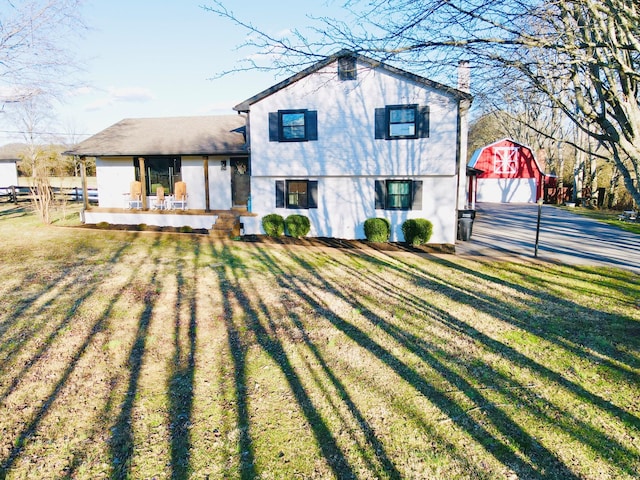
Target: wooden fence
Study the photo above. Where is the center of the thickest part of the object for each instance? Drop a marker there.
(15, 194)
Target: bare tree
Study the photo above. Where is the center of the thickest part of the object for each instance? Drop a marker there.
(30, 115)
(583, 56)
(36, 66)
(36, 56)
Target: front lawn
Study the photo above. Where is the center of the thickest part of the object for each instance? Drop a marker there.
(148, 355)
(610, 217)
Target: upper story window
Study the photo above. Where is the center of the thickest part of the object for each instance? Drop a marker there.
(402, 121)
(347, 68)
(293, 126)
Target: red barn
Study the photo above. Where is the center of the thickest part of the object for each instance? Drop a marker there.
(506, 172)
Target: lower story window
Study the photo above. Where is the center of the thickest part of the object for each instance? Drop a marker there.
(398, 194)
(296, 194)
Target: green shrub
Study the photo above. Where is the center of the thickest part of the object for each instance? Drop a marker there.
(103, 225)
(297, 226)
(417, 231)
(186, 229)
(273, 225)
(377, 229)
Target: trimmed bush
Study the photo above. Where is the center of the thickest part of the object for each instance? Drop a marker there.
(273, 224)
(297, 226)
(417, 231)
(377, 229)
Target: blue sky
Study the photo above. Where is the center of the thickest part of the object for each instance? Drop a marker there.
(148, 58)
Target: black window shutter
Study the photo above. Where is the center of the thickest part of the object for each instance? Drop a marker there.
(380, 194)
(381, 123)
(311, 121)
(416, 191)
(423, 121)
(312, 194)
(274, 127)
(279, 193)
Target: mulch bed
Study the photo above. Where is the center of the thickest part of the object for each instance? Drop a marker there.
(349, 244)
(325, 242)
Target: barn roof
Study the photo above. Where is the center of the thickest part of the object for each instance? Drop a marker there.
(203, 135)
(478, 153)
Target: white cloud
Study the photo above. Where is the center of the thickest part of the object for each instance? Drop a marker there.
(121, 95)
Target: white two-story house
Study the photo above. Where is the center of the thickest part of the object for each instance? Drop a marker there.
(351, 138)
(347, 139)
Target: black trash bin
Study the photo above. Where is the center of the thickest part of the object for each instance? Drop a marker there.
(465, 224)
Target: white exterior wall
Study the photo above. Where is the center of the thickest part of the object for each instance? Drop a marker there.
(219, 184)
(8, 174)
(347, 159)
(192, 171)
(344, 203)
(114, 176)
(346, 123)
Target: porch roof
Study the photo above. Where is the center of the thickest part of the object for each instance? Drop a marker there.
(203, 135)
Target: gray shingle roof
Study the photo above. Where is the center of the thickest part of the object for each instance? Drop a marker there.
(205, 135)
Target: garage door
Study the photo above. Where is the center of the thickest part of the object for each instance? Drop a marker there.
(506, 190)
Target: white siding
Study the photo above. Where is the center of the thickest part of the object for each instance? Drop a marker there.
(115, 174)
(347, 159)
(346, 123)
(8, 174)
(344, 203)
(114, 177)
(193, 176)
(219, 184)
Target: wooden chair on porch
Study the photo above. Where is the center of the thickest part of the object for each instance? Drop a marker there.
(159, 201)
(134, 199)
(179, 199)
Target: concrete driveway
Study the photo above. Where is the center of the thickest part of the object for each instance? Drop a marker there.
(509, 230)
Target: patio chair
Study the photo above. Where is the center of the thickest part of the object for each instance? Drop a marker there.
(135, 195)
(179, 199)
(159, 201)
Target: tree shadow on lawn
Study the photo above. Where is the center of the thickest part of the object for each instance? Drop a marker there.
(99, 325)
(264, 335)
(378, 461)
(181, 383)
(542, 459)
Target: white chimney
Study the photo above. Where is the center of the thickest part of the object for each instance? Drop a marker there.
(464, 76)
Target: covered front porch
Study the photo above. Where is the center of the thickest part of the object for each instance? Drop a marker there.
(171, 172)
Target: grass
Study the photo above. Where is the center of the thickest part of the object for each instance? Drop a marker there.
(147, 355)
(607, 216)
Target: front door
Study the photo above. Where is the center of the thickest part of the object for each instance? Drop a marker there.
(240, 182)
